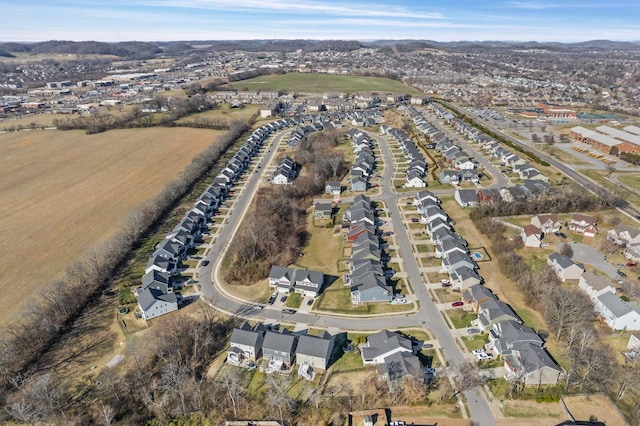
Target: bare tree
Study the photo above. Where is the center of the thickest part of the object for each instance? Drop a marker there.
(565, 249)
(106, 415)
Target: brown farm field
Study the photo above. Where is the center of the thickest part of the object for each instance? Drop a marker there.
(62, 192)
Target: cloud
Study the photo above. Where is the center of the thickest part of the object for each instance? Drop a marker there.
(293, 6)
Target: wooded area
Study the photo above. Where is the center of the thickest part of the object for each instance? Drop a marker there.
(276, 231)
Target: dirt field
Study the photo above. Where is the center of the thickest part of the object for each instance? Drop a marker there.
(582, 407)
(62, 192)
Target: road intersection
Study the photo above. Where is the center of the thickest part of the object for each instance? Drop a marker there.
(427, 316)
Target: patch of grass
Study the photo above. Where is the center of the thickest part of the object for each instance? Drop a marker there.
(349, 361)
(337, 299)
(474, 342)
(424, 248)
(446, 295)
(294, 300)
(461, 318)
(320, 83)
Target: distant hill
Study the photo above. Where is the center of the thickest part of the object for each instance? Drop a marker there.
(6, 54)
(128, 49)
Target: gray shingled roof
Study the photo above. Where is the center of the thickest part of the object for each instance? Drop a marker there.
(281, 342)
(617, 306)
(148, 296)
(383, 342)
(316, 346)
(246, 337)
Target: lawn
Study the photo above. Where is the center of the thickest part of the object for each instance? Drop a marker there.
(446, 295)
(257, 292)
(224, 112)
(630, 180)
(294, 300)
(77, 191)
(320, 83)
(473, 342)
(337, 299)
(322, 249)
(461, 318)
(598, 177)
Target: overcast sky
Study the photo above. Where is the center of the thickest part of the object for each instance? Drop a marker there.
(162, 20)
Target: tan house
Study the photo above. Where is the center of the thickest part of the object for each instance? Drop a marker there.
(546, 222)
(595, 285)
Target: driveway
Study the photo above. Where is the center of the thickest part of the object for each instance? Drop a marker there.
(592, 256)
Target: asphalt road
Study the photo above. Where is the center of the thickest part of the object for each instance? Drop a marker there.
(428, 316)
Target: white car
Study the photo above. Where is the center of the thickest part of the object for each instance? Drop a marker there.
(478, 351)
(483, 356)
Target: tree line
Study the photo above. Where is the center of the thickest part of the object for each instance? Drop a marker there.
(277, 230)
(51, 311)
(567, 311)
(101, 121)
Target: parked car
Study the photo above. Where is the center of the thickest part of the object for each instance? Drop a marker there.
(415, 220)
(427, 346)
(478, 351)
(289, 311)
(310, 302)
(622, 274)
(456, 304)
(205, 262)
(483, 356)
(257, 307)
(473, 331)
(631, 264)
(283, 298)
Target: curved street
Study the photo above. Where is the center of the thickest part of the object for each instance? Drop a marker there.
(428, 315)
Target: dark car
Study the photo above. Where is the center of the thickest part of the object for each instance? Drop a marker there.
(622, 274)
(283, 298)
(205, 262)
(456, 304)
(289, 311)
(631, 264)
(310, 302)
(415, 220)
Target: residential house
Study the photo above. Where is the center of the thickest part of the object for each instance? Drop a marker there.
(450, 245)
(161, 264)
(463, 278)
(565, 268)
(548, 223)
(425, 195)
(488, 195)
(476, 295)
(492, 311)
(358, 184)
(322, 210)
(533, 365)
(595, 285)
(506, 336)
(531, 236)
(279, 348)
(583, 224)
(315, 351)
(171, 250)
(624, 235)
(456, 259)
(370, 288)
(617, 313)
(246, 343)
(414, 180)
(333, 187)
(308, 283)
(450, 176)
(398, 366)
(154, 302)
(382, 345)
(466, 197)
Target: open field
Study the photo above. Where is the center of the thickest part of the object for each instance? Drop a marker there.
(224, 112)
(319, 83)
(62, 192)
(30, 120)
(583, 407)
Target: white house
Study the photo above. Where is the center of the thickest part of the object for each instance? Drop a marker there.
(383, 344)
(617, 313)
(153, 303)
(595, 285)
(531, 236)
